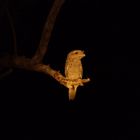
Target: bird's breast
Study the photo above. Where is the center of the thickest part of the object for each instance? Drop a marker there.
(74, 70)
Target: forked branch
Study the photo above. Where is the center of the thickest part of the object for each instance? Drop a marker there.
(46, 34)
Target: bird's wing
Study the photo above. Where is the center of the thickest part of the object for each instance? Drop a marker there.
(67, 64)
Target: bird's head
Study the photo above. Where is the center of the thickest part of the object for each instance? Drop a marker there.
(76, 54)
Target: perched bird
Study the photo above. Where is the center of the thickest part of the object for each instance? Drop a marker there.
(74, 70)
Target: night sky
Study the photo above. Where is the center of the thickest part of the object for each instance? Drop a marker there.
(35, 106)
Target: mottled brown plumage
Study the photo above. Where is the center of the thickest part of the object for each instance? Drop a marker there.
(74, 70)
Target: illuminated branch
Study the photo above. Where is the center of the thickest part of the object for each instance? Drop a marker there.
(46, 34)
(26, 63)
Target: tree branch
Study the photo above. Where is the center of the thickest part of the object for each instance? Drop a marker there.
(46, 34)
(26, 63)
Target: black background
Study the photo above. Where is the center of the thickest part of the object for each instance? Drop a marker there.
(35, 106)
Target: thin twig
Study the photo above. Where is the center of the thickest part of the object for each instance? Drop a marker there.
(13, 31)
(6, 73)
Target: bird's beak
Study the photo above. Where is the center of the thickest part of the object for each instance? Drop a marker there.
(83, 54)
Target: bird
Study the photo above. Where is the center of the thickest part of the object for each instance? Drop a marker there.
(73, 70)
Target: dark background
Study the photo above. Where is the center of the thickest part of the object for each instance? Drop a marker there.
(35, 106)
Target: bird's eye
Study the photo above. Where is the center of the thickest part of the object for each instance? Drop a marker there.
(76, 52)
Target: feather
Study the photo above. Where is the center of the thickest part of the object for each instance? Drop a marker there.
(72, 92)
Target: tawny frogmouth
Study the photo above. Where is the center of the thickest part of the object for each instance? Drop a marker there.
(74, 70)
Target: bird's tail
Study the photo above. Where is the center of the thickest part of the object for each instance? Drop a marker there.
(72, 92)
